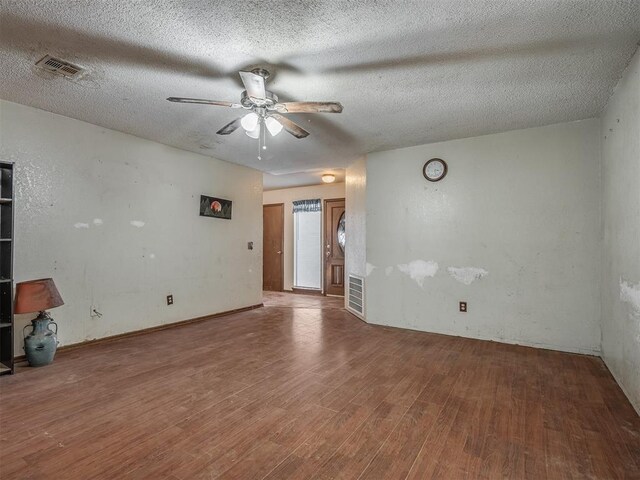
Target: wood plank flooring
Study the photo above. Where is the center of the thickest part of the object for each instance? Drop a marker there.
(301, 389)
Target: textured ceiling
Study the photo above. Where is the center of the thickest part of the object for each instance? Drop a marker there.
(310, 177)
(406, 72)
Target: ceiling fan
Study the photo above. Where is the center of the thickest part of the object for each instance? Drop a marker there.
(265, 112)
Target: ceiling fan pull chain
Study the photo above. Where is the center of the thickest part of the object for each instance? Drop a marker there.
(260, 140)
(259, 150)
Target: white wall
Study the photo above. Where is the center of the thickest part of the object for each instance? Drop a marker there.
(355, 218)
(621, 223)
(80, 186)
(287, 196)
(524, 206)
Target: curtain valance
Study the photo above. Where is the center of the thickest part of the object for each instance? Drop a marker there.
(307, 205)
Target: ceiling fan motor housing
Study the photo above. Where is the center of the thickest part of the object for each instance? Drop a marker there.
(269, 101)
(262, 72)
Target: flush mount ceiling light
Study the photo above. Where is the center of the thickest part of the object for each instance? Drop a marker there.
(328, 178)
(265, 109)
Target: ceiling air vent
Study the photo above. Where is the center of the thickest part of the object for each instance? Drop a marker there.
(55, 65)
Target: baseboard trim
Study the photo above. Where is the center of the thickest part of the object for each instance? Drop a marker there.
(353, 314)
(635, 406)
(306, 291)
(507, 341)
(144, 331)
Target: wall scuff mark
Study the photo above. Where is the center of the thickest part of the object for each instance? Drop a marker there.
(370, 268)
(137, 223)
(97, 221)
(467, 275)
(418, 270)
(631, 294)
(81, 225)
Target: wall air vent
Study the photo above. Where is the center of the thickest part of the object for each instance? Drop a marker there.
(55, 65)
(355, 300)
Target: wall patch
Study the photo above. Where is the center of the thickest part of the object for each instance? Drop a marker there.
(467, 275)
(418, 270)
(137, 223)
(631, 294)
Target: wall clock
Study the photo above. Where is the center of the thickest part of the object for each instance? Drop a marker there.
(435, 169)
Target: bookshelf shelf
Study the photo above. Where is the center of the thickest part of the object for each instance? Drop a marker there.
(6, 268)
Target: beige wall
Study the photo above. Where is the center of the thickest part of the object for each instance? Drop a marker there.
(114, 220)
(287, 196)
(621, 227)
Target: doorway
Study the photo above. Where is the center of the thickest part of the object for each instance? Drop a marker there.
(334, 238)
(272, 247)
(307, 248)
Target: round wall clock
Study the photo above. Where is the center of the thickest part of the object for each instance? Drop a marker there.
(435, 169)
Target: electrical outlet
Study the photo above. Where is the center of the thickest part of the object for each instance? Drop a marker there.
(463, 307)
(169, 299)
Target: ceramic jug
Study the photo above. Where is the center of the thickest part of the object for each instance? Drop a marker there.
(41, 343)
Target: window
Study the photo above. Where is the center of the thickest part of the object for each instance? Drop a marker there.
(307, 230)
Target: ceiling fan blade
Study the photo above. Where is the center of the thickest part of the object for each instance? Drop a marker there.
(254, 84)
(205, 102)
(309, 107)
(230, 127)
(291, 127)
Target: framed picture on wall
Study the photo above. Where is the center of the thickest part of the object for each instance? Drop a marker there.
(215, 207)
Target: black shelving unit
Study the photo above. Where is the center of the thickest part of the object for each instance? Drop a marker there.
(6, 268)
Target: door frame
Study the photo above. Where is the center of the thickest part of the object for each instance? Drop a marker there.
(281, 281)
(324, 236)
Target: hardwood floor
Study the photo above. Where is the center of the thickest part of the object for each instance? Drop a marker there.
(298, 391)
(286, 299)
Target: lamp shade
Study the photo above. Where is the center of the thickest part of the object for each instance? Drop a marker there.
(37, 296)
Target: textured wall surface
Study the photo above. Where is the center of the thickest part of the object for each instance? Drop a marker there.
(114, 220)
(424, 72)
(621, 221)
(513, 229)
(356, 218)
(287, 196)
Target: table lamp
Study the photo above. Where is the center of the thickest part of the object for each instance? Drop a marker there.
(38, 296)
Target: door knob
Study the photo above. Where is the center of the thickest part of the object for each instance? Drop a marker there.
(279, 252)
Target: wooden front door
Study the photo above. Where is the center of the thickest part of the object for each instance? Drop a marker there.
(333, 252)
(272, 247)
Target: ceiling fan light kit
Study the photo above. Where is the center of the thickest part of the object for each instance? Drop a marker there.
(254, 133)
(273, 125)
(265, 109)
(250, 121)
